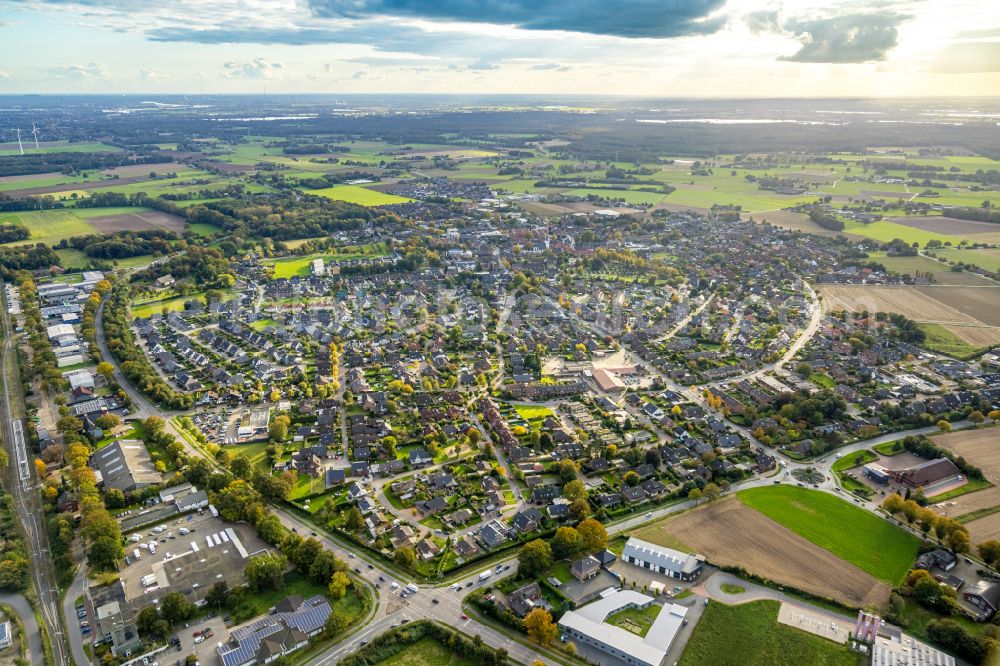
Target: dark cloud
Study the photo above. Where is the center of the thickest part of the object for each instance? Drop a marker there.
(629, 18)
(845, 39)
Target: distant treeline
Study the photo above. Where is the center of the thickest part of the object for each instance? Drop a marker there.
(26, 257)
(978, 214)
(826, 220)
(13, 232)
(30, 163)
(122, 244)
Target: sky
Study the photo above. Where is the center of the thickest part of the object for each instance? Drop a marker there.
(648, 48)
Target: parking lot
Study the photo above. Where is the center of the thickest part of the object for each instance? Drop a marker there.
(205, 650)
(191, 554)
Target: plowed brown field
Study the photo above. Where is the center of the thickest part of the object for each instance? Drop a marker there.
(730, 533)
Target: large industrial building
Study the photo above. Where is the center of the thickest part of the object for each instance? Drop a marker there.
(587, 626)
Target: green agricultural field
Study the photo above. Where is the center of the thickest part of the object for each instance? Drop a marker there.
(56, 147)
(940, 339)
(850, 533)
(42, 180)
(886, 231)
(49, 226)
(750, 635)
(985, 258)
(359, 195)
(427, 652)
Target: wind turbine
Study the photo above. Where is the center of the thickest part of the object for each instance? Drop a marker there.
(21, 147)
(34, 133)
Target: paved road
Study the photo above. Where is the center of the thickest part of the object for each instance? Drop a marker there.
(22, 485)
(24, 611)
(76, 641)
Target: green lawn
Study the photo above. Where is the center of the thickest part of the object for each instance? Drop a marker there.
(853, 534)
(851, 460)
(533, 412)
(750, 635)
(427, 652)
(886, 231)
(59, 147)
(821, 379)
(634, 620)
(359, 195)
(561, 571)
(302, 266)
(255, 451)
(889, 448)
(729, 588)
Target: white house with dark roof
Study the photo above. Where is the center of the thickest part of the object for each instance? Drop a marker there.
(666, 561)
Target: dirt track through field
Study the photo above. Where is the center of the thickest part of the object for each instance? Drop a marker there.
(730, 533)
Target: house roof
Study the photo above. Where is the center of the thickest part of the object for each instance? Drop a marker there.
(668, 558)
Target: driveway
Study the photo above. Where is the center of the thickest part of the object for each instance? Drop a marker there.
(76, 639)
(21, 606)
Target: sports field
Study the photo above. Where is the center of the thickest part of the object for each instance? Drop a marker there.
(854, 535)
(750, 635)
(359, 195)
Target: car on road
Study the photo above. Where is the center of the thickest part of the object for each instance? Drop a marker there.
(404, 620)
(434, 601)
(357, 569)
(381, 578)
(362, 642)
(199, 639)
(371, 566)
(649, 515)
(313, 534)
(350, 555)
(464, 616)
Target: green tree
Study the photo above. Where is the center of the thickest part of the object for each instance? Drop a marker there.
(567, 471)
(631, 479)
(575, 490)
(534, 558)
(339, 583)
(579, 509)
(594, 536)
(540, 626)
(175, 608)
(405, 557)
(566, 542)
(355, 521)
(265, 572)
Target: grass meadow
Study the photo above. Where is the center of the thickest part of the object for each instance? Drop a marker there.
(850, 533)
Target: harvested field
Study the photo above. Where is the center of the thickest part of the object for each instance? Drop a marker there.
(228, 167)
(731, 533)
(68, 187)
(880, 194)
(31, 176)
(147, 221)
(787, 219)
(968, 312)
(981, 447)
(946, 225)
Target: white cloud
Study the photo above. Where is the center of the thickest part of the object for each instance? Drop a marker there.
(150, 74)
(258, 68)
(90, 71)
